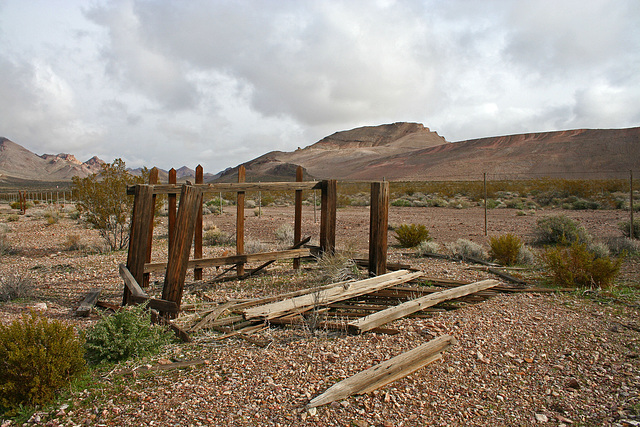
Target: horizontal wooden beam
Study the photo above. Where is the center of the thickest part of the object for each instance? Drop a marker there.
(156, 304)
(234, 187)
(233, 259)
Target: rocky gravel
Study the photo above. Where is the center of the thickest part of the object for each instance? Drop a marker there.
(521, 359)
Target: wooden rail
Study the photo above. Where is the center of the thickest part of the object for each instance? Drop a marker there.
(234, 187)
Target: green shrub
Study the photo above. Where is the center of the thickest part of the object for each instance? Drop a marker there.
(38, 357)
(15, 286)
(492, 204)
(402, 203)
(576, 266)
(559, 229)
(466, 249)
(624, 227)
(123, 335)
(411, 235)
(505, 249)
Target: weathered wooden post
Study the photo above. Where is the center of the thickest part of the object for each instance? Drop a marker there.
(631, 228)
(297, 223)
(328, 205)
(141, 224)
(171, 207)
(153, 179)
(484, 176)
(378, 226)
(190, 200)
(197, 238)
(240, 221)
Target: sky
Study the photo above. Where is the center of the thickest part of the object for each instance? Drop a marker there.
(220, 82)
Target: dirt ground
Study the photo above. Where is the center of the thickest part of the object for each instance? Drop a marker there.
(521, 359)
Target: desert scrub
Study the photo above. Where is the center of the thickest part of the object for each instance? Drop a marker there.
(216, 237)
(559, 229)
(15, 286)
(411, 235)
(626, 229)
(427, 247)
(38, 357)
(577, 266)
(73, 242)
(620, 245)
(123, 335)
(5, 246)
(284, 234)
(466, 249)
(336, 267)
(505, 249)
(52, 216)
(13, 218)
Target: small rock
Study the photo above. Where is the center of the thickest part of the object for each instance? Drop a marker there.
(41, 306)
(164, 362)
(542, 418)
(573, 383)
(359, 423)
(312, 411)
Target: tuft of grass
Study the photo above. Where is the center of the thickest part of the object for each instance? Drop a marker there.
(336, 267)
(15, 286)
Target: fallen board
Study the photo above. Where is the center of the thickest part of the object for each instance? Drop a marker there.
(377, 376)
(87, 303)
(392, 313)
(328, 296)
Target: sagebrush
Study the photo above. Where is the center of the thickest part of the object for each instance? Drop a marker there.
(38, 357)
(466, 249)
(559, 229)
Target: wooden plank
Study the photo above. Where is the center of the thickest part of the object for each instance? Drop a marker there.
(268, 263)
(171, 207)
(197, 235)
(190, 200)
(328, 206)
(88, 302)
(179, 332)
(142, 217)
(385, 316)
(212, 316)
(156, 304)
(393, 369)
(297, 222)
(327, 296)
(226, 187)
(234, 259)
(378, 227)
(240, 221)
(130, 282)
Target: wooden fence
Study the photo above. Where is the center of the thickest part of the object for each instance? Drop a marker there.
(185, 229)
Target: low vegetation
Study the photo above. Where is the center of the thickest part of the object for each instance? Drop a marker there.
(505, 249)
(411, 235)
(14, 286)
(559, 229)
(38, 358)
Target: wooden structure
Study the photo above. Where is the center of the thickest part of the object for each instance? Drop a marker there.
(185, 229)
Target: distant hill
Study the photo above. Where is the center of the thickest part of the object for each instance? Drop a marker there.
(18, 162)
(410, 151)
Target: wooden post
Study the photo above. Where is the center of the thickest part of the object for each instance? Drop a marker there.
(379, 221)
(631, 228)
(172, 205)
(297, 223)
(484, 175)
(328, 204)
(153, 179)
(240, 220)
(190, 200)
(197, 238)
(141, 218)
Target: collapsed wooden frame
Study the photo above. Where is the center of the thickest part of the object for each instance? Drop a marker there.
(185, 228)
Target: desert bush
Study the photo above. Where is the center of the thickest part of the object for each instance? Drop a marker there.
(217, 237)
(74, 215)
(126, 334)
(73, 242)
(505, 249)
(466, 249)
(102, 199)
(427, 247)
(599, 249)
(402, 203)
(15, 286)
(5, 246)
(620, 245)
(559, 229)
(576, 266)
(284, 234)
(437, 202)
(13, 218)
(255, 246)
(411, 235)
(52, 216)
(15, 205)
(626, 230)
(38, 358)
(526, 256)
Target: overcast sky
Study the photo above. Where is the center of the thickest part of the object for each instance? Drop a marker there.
(172, 83)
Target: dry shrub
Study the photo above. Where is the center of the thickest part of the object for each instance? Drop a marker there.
(466, 249)
(337, 267)
(284, 234)
(505, 249)
(15, 286)
(73, 242)
(577, 266)
(411, 235)
(427, 247)
(216, 237)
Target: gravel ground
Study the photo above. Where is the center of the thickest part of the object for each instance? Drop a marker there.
(521, 359)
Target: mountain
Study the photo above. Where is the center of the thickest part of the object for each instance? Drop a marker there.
(410, 151)
(18, 162)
